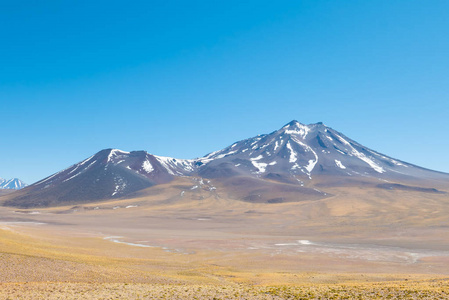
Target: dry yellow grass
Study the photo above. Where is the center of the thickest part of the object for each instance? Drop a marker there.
(434, 289)
(205, 246)
(33, 269)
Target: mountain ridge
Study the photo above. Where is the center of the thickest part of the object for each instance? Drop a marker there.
(296, 155)
(12, 184)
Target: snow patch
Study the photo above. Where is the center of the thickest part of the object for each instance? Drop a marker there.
(120, 185)
(115, 153)
(299, 129)
(339, 164)
(362, 156)
(260, 166)
(257, 158)
(147, 166)
(173, 165)
(225, 154)
(293, 157)
(72, 177)
(311, 165)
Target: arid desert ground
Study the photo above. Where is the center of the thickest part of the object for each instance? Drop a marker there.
(161, 244)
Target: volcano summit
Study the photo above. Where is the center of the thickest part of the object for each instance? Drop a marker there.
(294, 163)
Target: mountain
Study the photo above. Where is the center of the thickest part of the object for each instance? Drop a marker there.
(110, 173)
(301, 152)
(12, 184)
(294, 163)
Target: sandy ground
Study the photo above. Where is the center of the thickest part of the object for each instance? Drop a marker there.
(361, 243)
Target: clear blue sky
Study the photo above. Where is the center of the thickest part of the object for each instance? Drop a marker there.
(184, 78)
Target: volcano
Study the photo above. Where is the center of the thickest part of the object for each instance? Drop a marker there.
(295, 163)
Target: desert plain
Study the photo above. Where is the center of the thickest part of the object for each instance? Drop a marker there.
(175, 241)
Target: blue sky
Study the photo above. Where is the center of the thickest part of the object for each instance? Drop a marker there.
(184, 78)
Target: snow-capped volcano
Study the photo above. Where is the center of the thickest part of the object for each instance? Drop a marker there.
(12, 184)
(290, 161)
(119, 165)
(304, 151)
(110, 173)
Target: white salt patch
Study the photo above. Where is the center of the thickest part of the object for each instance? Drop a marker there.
(115, 240)
(305, 242)
(21, 223)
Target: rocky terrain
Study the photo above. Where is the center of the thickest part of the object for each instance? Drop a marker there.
(295, 163)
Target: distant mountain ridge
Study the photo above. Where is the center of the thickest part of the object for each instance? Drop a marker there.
(12, 184)
(289, 163)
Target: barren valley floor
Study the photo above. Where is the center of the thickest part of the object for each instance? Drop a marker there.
(203, 246)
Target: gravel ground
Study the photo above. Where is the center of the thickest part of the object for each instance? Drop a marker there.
(436, 289)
